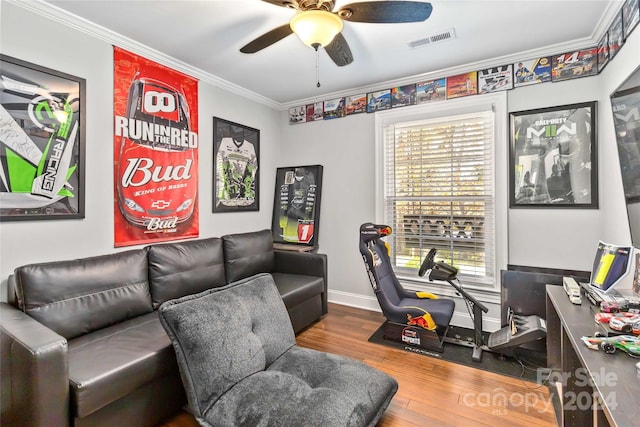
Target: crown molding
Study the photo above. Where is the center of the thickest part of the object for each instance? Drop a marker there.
(585, 42)
(63, 17)
(85, 26)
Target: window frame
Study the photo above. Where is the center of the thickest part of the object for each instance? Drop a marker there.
(496, 102)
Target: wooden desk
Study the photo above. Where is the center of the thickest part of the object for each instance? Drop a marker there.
(598, 389)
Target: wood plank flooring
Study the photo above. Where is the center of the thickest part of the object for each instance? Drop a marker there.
(431, 391)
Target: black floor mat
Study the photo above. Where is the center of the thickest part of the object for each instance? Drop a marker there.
(524, 364)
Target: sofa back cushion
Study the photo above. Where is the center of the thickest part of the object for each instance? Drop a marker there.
(179, 269)
(79, 296)
(247, 254)
(224, 335)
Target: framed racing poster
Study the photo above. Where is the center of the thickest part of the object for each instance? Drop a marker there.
(297, 115)
(401, 96)
(575, 64)
(603, 52)
(495, 79)
(616, 35)
(42, 131)
(553, 161)
(155, 152)
(462, 85)
(379, 100)
(356, 104)
(532, 71)
(296, 205)
(236, 167)
(630, 16)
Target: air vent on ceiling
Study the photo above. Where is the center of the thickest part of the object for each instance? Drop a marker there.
(435, 38)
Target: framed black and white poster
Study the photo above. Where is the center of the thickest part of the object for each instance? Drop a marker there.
(626, 119)
(236, 164)
(296, 205)
(553, 157)
(42, 135)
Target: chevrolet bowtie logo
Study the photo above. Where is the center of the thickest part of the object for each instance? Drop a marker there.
(160, 204)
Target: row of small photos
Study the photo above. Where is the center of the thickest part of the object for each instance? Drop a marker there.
(569, 65)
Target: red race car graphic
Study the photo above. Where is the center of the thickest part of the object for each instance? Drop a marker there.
(157, 180)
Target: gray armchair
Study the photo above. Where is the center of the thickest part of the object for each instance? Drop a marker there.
(240, 365)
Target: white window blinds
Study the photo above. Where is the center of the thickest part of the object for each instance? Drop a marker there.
(439, 192)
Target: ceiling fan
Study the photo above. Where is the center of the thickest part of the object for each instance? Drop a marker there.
(318, 26)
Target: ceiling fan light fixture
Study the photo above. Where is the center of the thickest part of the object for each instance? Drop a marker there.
(316, 27)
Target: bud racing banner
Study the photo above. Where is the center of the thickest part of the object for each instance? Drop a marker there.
(155, 152)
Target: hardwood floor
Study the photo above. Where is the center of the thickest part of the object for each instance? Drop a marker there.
(431, 391)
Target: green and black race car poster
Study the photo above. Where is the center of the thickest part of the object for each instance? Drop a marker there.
(42, 142)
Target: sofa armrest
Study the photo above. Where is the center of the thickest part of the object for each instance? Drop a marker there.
(307, 263)
(34, 372)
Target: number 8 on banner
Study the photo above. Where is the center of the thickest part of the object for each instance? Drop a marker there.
(305, 232)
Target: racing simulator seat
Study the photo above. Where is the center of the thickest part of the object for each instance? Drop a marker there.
(416, 318)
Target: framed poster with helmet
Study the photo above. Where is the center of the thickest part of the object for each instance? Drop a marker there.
(296, 206)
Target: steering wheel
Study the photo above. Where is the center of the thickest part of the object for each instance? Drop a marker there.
(428, 262)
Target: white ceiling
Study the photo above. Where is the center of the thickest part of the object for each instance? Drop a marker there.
(207, 35)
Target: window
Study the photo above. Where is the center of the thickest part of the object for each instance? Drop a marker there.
(437, 188)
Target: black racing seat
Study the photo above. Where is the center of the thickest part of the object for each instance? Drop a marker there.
(400, 306)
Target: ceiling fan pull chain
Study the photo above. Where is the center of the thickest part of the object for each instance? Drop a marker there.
(317, 68)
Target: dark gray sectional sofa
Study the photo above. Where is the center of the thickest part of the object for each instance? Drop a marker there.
(81, 343)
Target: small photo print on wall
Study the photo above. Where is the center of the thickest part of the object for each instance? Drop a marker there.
(402, 96)
(297, 115)
(356, 104)
(334, 108)
(603, 52)
(630, 16)
(616, 35)
(532, 71)
(377, 101)
(315, 111)
(462, 85)
(572, 65)
(431, 90)
(495, 79)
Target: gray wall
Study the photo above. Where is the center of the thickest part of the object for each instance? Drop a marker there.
(549, 238)
(92, 59)
(345, 147)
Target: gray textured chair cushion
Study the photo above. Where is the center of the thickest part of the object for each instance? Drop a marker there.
(240, 366)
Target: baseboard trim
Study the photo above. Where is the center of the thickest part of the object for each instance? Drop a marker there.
(460, 318)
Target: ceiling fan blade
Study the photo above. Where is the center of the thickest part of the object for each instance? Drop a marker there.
(267, 39)
(386, 12)
(283, 3)
(339, 51)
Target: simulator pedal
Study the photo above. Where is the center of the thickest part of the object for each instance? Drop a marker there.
(520, 330)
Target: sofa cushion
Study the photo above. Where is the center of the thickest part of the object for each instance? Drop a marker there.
(297, 288)
(247, 254)
(79, 296)
(113, 362)
(185, 268)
